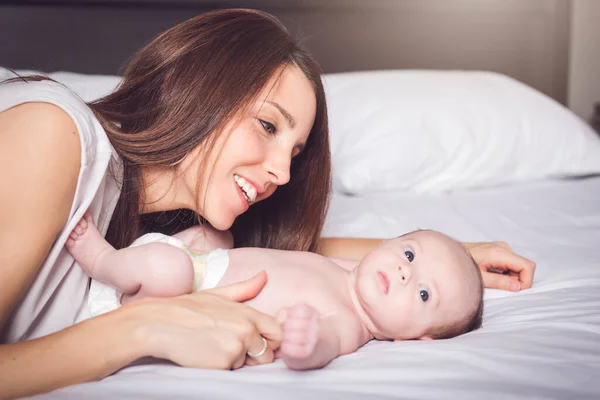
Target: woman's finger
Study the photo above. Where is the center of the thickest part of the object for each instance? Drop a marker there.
(232, 348)
(503, 282)
(498, 258)
(267, 358)
(258, 351)
(515, 264)
(239, 361)
(268, 327)
(242, 291)
(526, 273)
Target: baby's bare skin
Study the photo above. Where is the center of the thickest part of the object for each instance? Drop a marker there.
(301, 284)
(402, 289)
(293, 277)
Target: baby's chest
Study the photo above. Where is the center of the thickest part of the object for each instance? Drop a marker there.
(324, 292)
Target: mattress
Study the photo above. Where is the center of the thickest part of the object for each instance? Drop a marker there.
(543, 342)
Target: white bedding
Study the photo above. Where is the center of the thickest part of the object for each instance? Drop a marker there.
(539, 343)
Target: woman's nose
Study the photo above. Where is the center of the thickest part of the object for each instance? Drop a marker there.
(278, 166)
(405, 273)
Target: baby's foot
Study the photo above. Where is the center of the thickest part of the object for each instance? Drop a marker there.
(86, 244)
(300, 335)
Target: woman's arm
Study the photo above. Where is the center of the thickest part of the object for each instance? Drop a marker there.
(208, 329)
(346, 248)
(518, 271)
(39, 164)
(87, 351)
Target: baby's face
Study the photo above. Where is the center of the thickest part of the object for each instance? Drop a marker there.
(412, 284)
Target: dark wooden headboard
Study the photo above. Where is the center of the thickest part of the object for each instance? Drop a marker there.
(525, 39)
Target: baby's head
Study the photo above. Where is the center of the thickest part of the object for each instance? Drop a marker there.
(421, 285)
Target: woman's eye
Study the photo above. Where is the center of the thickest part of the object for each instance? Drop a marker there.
(423, 293)
(267, 126)
(410, 255)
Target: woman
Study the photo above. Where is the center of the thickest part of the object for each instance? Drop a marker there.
(223, 96)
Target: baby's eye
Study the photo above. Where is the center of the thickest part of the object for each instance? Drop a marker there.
(424, 293)
(267, 126)
(410, 255)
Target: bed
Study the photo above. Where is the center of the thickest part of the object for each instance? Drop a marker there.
(540, 343)
(475, 144)
(543, 342)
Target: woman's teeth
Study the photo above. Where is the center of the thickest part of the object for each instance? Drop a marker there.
(248, 189)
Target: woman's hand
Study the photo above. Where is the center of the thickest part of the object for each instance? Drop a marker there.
(515, 272)
(208, 329)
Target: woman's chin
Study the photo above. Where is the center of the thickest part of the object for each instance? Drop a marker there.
(220, 223)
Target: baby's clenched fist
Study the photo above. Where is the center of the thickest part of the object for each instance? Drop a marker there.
(300, 326)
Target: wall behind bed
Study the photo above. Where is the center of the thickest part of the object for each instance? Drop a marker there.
(525, 39)
(584, 59)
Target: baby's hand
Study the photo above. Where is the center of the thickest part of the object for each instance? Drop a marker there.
(300, 326)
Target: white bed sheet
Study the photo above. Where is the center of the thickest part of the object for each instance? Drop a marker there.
(539, 343)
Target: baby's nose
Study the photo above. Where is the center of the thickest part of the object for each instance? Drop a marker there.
(404, 273)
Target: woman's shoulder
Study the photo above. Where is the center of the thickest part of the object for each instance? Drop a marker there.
(41, 133)
(42, 115)
(55, 105)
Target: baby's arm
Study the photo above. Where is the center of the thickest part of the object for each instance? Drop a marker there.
(311, 341)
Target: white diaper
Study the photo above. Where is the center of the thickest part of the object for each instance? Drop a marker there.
(209, 268)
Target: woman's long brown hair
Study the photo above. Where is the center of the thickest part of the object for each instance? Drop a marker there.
(182, 88)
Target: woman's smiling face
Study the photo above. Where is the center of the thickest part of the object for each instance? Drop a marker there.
(252, 156)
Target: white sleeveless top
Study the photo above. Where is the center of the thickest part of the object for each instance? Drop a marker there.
(58, 294)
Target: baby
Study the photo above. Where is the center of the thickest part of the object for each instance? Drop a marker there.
(422, 285)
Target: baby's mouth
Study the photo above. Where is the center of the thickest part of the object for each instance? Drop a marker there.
(384, 280)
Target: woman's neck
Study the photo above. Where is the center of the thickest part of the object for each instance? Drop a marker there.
(161, 190)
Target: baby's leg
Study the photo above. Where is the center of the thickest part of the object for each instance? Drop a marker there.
(150, 270)
(87, 246)
(154, 270)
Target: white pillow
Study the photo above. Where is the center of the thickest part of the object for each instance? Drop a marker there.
(88, 87)
(431, 131)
